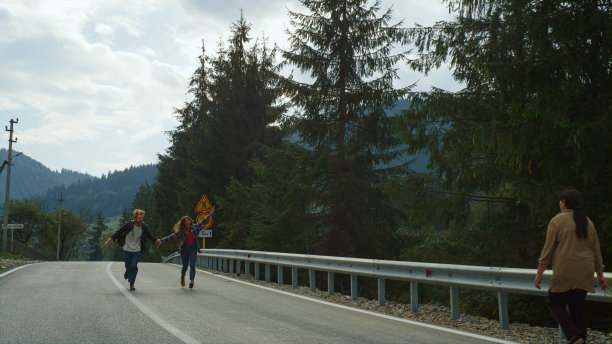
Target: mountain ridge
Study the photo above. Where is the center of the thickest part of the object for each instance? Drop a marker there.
(110, 194)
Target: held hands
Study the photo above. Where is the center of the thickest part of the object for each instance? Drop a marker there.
(159, 242)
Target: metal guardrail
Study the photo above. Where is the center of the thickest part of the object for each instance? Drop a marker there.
(497, 279)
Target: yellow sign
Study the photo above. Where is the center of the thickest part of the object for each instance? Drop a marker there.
(204, 208)
(201, 216)
(204, 205)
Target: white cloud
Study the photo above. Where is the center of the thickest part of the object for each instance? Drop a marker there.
(95, 82)
(104, 29)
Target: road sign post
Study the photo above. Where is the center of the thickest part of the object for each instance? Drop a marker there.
(206, 233)
(204, 208)
(12, 227)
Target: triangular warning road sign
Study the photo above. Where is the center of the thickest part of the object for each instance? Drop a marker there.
(203, 205)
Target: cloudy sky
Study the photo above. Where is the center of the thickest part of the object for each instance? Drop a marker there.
(94, 82)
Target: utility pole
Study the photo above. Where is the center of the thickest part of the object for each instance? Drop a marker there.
(59, 227)
(8, 184)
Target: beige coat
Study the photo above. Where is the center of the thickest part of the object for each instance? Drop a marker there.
(573, 260)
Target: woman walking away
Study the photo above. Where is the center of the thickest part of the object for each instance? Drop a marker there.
(188, 232)
(572, 247)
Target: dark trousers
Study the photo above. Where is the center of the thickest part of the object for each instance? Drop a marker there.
(573, 323)
(189, 255)
(131, 264)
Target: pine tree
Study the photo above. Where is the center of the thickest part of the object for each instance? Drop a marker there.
(94, 241)
(348, 53)
(220, 130)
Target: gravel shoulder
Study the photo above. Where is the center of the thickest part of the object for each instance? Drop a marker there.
(8, 264)
(439, 315)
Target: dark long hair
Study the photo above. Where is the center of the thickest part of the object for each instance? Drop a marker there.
(573, 200)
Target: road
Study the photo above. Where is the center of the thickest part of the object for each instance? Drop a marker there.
(88, 302)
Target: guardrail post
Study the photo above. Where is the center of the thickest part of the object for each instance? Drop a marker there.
(223, 265)
(502, 305)
(279, 273)
(381, 292)
(231, 266)
(247, 269)
(294, 277)
(330, 283)
(237, 268)
(414, 296)
(256, 271)
(311, 280)
(354, 295)
(454, 302)
(267, 272)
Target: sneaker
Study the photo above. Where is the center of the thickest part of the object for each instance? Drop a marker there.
(126, 274)
(191, 286)
(182, 281)
(132, 286)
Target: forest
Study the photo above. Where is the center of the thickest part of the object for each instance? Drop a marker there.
(303, 150)
(302, 161)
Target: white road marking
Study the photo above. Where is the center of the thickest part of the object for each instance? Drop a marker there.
(412, 322)
(185, 338)
(13, 270)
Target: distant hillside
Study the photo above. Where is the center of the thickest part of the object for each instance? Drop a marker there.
(110, 195)
(29, 177)
(415, 162)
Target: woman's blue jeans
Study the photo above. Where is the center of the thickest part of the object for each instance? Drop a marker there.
(189, 255)
(131, 264)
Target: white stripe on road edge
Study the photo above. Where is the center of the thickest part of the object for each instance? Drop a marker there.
(13, 270)
(412, 322)
(185, 338)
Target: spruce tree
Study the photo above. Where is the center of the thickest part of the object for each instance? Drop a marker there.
(346, 52)
(96, 236)
(220, 130)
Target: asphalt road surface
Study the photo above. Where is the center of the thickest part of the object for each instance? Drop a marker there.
(89, 302)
